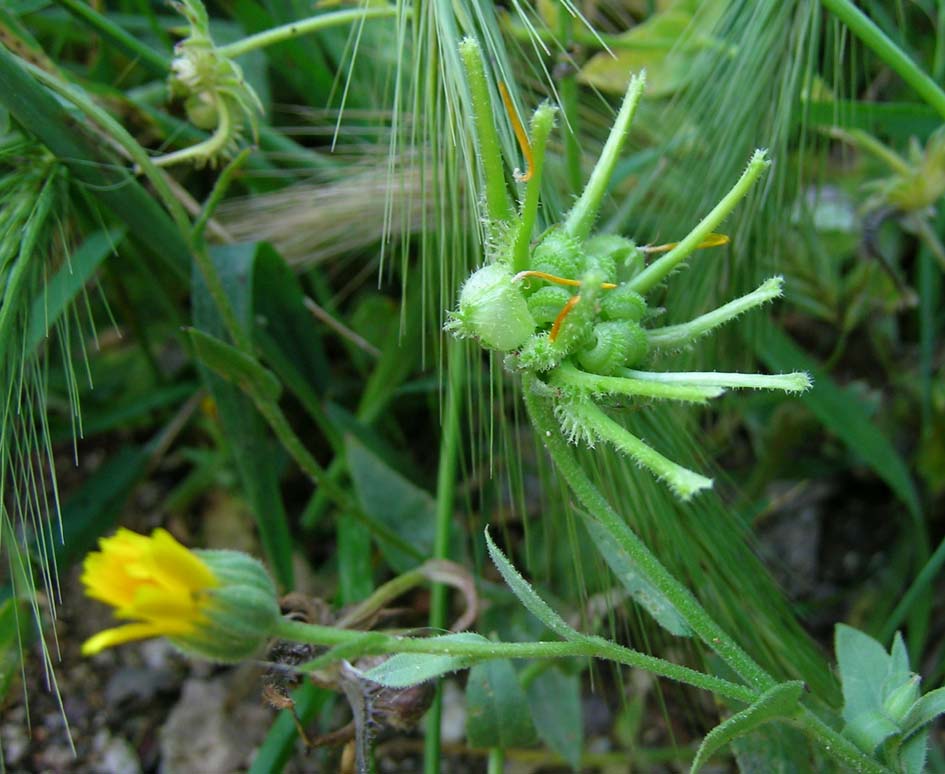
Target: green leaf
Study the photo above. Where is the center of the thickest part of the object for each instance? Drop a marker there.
(841, 413)
(643, 592)
(405, 669)
(925, 710)
(781, 701)
(899, 656)
(527, 596)
(496, 708)
(235, 366)
(665, 45)
(779, 749)
(60, 291)
(103, 176)
(355, 568)
(392, 500)
(284, 329)
(913, 753)
(864, 665)
(555, 701)
(870, 729)
(254, 451)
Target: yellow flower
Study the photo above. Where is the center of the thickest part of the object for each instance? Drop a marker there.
(215, 604)
(154, 581)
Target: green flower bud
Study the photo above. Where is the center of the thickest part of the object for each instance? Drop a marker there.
(623, 303)
(219, 605)
(900, 700)
(493, 310)
(546, 303)
(239, 614)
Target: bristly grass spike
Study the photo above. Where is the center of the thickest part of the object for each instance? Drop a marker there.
(570, 312)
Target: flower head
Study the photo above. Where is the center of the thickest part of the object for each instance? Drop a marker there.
(216, 604)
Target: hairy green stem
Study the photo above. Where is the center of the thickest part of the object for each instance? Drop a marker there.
(543, 122)
(876, 40)
(220, 188)
(673, 336)
(568, 376)
(498, 204)
(580, 219)
(542, 417)
(358, 643)
(304, 27)
(797, 381)
(597, 425)
(657, 271)
(445, 496)
(678, 595)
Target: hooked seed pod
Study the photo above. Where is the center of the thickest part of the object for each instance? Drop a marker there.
(617, 344)
(623, 303)
(558, 254)
(545, 303)
(613, 249)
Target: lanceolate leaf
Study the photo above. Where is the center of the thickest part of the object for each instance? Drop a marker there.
(527, 596)
(555, 701)
(778, 702)
(406, 669)
(925, 710)
(496, 708)
(251, 446)
(644, 593)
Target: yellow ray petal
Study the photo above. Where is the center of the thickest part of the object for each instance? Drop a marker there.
(175, 566)
(119, 635)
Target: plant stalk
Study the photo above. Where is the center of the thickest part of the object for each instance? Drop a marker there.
(304, 27)
(875, 39)
(358, 643)
(445, 496)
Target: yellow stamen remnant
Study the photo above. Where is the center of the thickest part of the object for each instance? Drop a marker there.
(557, 280)
(154, 581)
(712, 240)
(565, 311)
(520, 135)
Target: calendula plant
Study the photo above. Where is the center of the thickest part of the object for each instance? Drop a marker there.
(570, 311)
